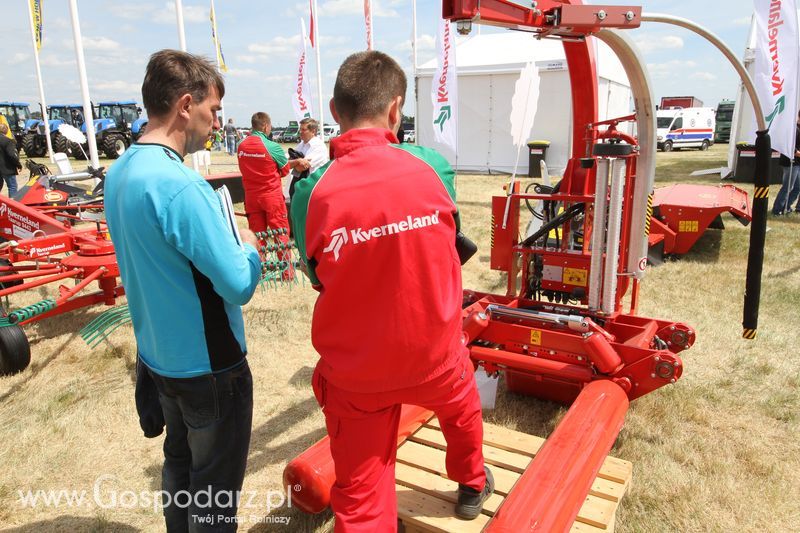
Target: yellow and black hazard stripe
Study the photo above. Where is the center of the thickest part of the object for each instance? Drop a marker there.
(649, 214)
(749, 333)
(491, 237)
(761, 192)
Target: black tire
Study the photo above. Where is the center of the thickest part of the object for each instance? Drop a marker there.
(114, 145)
(75, 150)
(612, 149)
(15, 351)
(28, 144)
(6, 285)
(704, 146)
(668, 146)
(60, 144)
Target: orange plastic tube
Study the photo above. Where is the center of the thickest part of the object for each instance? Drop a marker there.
(551, 491)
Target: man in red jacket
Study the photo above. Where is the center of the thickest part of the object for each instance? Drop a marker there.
(263, 164)
(376, 228)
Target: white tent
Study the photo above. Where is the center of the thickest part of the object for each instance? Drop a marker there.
(489, 66)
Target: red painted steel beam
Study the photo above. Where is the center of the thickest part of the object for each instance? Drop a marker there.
(551, 491)
(311, 475)
(530, 364)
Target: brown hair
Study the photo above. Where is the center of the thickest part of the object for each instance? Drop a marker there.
(311, 124)
(366, 84)
(170, 74)
(260, 120)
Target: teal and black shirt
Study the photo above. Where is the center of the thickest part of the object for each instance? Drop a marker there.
(183, 272)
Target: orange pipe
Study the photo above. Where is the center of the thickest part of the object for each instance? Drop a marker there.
(531, 364)
(551, 491)
(311, 475)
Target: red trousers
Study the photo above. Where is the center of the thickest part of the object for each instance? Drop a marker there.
(267, 211)
(363, 434)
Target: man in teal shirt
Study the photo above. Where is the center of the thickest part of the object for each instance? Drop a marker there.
(186, 276)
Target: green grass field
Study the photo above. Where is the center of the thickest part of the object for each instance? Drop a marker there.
(717, 451)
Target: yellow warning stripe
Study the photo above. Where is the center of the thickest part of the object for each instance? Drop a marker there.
(749, 334)
(491, 238)
(649, 214)
(761, 192)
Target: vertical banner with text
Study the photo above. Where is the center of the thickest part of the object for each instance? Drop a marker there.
(444, 89)
(368, 22)
(36, 13)
(302, 92)
(217, 46)
(776, 64)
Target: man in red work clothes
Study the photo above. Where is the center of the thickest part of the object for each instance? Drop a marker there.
(262, 164)
(376, 228)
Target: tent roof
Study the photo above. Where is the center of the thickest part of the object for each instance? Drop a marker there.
(511, 51)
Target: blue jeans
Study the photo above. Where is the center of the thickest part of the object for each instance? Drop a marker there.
(231, 141)
(208, 420)
(11, 181)
(786, 197)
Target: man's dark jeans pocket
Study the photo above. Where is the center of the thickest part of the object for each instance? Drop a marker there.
(199, 400)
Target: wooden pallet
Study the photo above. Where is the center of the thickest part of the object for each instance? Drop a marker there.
(425, 497)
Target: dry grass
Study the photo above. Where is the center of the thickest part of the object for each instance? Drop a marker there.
(718, 451)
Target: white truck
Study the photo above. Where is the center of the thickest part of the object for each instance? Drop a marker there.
(690, 127)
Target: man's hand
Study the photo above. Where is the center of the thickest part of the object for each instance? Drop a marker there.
(300, 164)
(249, 237)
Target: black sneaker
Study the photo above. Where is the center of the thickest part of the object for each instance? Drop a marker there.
(470, 501)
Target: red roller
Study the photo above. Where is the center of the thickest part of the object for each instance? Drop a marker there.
(535, 365)
(552, 489)
(311, 475)
(601, 353)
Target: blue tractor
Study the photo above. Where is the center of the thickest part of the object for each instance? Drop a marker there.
(35, 143)
(19, 119)
(117, 125)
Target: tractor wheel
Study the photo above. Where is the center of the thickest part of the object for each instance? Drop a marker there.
(15, 351)
(28, 144)
(114, 145)
(704, 146)
(6, 285)
(60, 144)
(75, 151)
(668, 146)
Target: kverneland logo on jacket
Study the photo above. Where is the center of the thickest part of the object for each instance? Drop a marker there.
(341, 236)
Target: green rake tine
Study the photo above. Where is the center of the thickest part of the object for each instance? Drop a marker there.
(108, 332)
(100, 329)
(100, 321)
(108, 326)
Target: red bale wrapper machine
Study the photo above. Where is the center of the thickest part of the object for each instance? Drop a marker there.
(560, 332)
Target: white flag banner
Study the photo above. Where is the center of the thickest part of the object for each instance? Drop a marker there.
(776, 65)
(444, 90)
(301, 96)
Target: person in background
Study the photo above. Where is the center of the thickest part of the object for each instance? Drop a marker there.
(230, 136)
(790, 184)
(314, 152)
(186, 278)
(376, 228)
(8, 132)
(263, 164)
(9, 161)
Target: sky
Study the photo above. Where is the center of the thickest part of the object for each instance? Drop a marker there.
(260, 40)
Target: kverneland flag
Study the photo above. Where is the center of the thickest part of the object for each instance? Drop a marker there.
(444, 90)
(368, 22)
(776, 64)
(301, 91)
